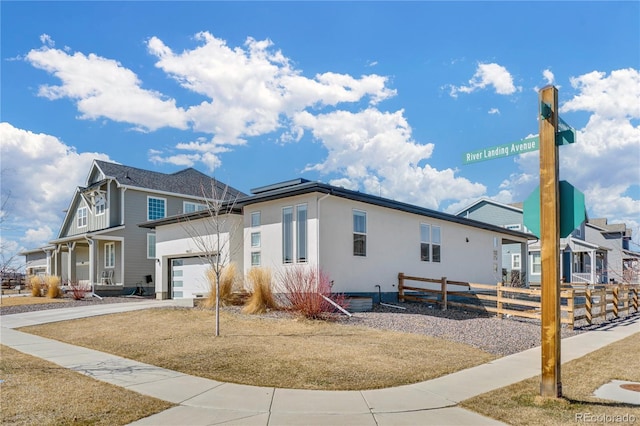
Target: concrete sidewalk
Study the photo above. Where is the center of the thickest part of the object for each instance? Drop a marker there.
(208, 402)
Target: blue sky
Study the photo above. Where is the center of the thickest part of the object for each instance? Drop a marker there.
(383, 97)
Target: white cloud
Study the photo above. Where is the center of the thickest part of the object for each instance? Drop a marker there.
(488, 75)
(104, 88)
(374, 150)
(252, 88)
(615, 96)
(548, 76)
(494, 111)
(40, 172)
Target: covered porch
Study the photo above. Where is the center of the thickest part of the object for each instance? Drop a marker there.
(92, 260)
(584, 263)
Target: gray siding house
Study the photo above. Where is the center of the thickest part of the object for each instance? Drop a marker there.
(100, 242)
(594, 253)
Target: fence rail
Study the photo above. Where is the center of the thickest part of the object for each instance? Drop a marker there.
(578, 302)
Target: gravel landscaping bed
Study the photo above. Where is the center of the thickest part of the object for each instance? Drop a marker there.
(497, 336)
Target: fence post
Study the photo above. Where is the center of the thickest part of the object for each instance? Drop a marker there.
(444, 293)
(401, 287)
(625, 300)
(587, 305)
(570, 307)
(615, 300)
(499, 299)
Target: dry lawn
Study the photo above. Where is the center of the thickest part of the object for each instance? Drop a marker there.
(37, 392)
(520, 403)
(261, 351)
(28, 300)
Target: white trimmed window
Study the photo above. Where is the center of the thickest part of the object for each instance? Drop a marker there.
(156, 208)
(536, 263)
(255, 258)
(301, 233)
(255, 239)
(430, 243)
(359, 233)
(101, 204)
(151, 246)
(109, 255)
(255, 219)
(190, 207)
(287, 235)
(515, 261)
(82, 217)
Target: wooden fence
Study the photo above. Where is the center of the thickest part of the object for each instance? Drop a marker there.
(578, 302)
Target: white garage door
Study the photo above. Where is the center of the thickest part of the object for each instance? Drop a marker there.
(188, 277)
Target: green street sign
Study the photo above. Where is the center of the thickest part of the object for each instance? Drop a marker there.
(504, 150)
(571, 210)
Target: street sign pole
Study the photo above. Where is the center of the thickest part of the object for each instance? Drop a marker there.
(551, 385)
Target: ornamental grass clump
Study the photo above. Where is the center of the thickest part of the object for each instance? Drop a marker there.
(228, 279)
(53, 287)
(261, 297)
(308, 292)
(37, 285)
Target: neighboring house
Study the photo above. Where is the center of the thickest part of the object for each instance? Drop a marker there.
(593, 253)
(100, 242)
(360, 241)
(38, 260)
(515, 257)
(623, 264)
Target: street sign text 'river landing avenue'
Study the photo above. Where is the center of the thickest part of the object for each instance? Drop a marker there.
(504, 150)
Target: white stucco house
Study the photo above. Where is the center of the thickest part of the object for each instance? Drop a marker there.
(360, 241)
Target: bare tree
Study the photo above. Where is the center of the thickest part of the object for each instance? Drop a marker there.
(8, 255)
(212, 231)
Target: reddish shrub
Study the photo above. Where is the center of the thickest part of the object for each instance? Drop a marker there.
(304, 290)
(78, 291)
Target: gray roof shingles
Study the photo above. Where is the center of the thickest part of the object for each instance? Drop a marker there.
(188, 181)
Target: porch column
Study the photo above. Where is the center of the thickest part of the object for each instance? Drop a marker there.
(524, 264)
(57, 262)
(594, 273)
(71, 262)
(92, 261)
(49, 260)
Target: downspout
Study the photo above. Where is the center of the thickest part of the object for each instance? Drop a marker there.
(318, 235)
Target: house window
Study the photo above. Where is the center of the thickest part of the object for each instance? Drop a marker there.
(156, 208)
(82, 217)
(430, 243)
(255, 239)
(301, 233)
(287, 235)
(255, 219)
(109, 255)
(425, 242)
(151, 246)
(515, 261)
(514, 227)
(255, 258)
(435, 244)
(101, 205)
(359, 233)
(536, 265)
(189, 207)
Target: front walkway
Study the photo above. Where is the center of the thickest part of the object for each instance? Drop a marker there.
(208, 402)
